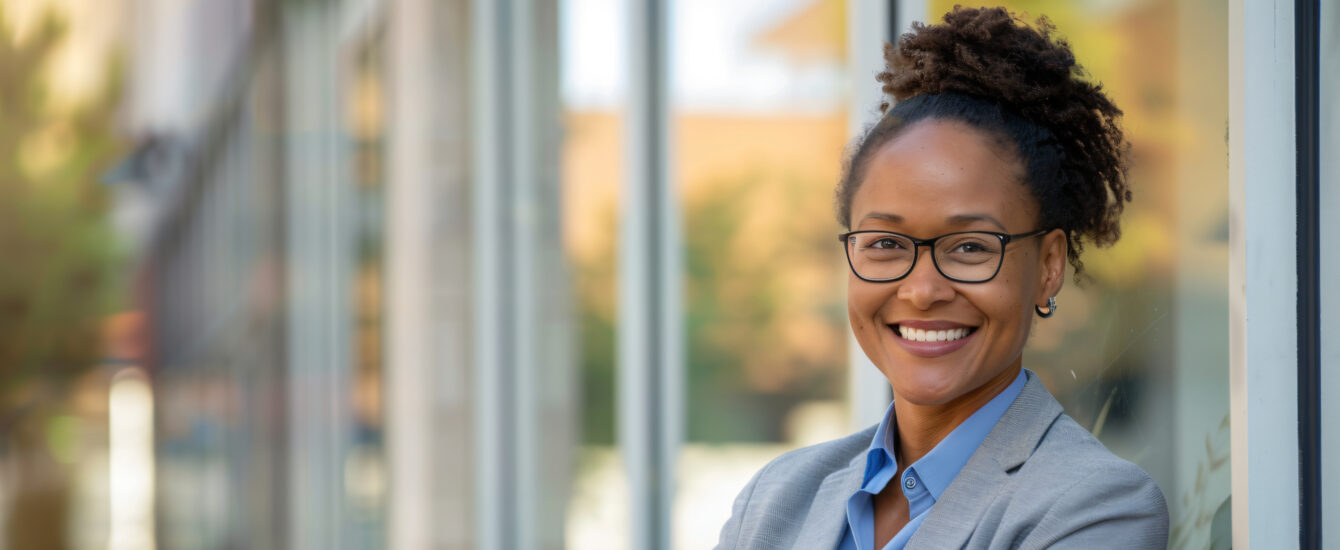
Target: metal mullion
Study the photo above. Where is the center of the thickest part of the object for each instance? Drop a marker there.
(872, 22)
(317, 288)
(1307, 31)
(414, 368)
(524, 235)
(492, 312)
(650, 367)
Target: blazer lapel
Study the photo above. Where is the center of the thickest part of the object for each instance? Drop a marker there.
(827, 516)
(954, 517)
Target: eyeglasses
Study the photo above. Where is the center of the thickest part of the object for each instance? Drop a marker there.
(966, 257)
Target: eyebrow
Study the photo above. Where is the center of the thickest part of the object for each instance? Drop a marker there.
(961, 219)
(883, 216)
(965, 219)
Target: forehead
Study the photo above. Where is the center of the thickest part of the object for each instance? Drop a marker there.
(936, 174)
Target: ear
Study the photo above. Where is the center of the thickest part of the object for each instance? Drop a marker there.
(1051, 266)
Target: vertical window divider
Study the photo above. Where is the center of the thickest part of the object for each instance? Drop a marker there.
(521, 336)
(1307, 31)
(523, 372)
(317, 278)
(415, 368)
(870, 24)
(650, 338)
(492, 364)
(1263, 276)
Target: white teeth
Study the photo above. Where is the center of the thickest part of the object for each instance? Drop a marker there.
(918, 335)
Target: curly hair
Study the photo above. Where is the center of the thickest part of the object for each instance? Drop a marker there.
(987, 68)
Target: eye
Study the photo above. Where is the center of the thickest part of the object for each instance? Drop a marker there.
(970, 247)
(887, 242)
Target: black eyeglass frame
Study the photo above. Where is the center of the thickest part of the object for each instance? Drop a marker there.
(1005, 239)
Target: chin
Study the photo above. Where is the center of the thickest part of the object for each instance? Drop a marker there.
(926, 385)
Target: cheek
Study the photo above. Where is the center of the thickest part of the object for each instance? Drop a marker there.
(1009, 298)
(864, 300)
(1018, 283)
(1007, 305)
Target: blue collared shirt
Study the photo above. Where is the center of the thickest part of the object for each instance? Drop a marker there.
(924, 480)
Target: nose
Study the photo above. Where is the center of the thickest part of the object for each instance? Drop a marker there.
(925, 286)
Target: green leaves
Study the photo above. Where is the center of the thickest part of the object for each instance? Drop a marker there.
(57, 251)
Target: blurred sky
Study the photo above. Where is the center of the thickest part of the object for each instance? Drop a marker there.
(716, 65)
(715, 62)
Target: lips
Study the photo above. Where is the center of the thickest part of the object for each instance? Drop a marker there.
(931, 338)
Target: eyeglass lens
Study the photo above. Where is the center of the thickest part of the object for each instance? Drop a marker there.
(959, 256)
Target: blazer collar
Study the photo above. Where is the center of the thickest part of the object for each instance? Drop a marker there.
(955, 514)
(1022, 426)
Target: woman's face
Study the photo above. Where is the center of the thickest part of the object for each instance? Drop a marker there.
(935, 178)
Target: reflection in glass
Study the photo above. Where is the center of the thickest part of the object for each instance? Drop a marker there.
(1138, 351)
(365, 473)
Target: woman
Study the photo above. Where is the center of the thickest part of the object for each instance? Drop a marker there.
(964, 203)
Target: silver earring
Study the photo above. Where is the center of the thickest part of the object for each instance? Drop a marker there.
(1051, 308)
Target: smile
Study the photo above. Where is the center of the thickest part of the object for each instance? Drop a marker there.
(932, 339)
(919, 335)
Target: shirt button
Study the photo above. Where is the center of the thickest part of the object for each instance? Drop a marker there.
(910, 483)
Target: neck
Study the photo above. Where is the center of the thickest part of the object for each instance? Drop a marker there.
(922, 427)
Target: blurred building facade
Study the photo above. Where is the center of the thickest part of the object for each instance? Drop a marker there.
(274, 246)
(414, 279)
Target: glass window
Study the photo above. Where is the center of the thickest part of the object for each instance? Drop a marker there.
(365, 475)
(593, 73)
(758, 106)
(1138, 352)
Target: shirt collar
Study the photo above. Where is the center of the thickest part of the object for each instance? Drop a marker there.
(942, 464)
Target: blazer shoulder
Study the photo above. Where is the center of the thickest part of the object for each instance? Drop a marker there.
(820, 458)
(1068, 448)
(1094, 494)
(774, 504)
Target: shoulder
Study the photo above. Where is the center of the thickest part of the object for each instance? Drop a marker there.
(818, 460)
(1069, 450)
(1083, 494)
(1044, 450)
(795, 476)
(774, 504)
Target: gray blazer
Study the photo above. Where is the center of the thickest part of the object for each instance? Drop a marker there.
(1039, 480)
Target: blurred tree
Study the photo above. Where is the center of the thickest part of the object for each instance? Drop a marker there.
(55, 243)
(765, 319)
(55, 284)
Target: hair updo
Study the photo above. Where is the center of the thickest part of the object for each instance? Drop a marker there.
(992, 71)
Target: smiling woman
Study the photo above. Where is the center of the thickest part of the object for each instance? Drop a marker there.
(945, 177)
(1001, 161)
